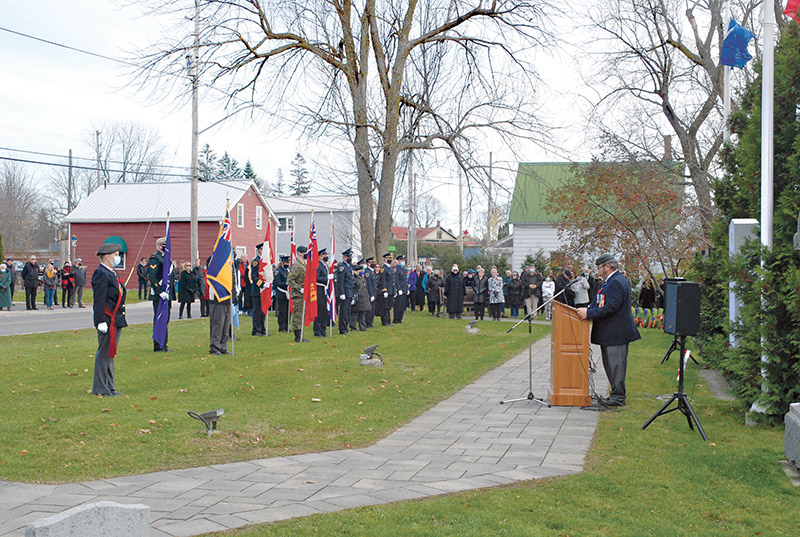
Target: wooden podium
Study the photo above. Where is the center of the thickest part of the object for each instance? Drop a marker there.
(569, 358)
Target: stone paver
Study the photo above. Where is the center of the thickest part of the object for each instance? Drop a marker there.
(466, 442)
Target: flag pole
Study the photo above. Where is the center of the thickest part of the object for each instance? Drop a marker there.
(233, 328)
(303, 321)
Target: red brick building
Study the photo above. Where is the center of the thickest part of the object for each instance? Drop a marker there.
(135, 215)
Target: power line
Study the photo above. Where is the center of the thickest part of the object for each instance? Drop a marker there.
(66, 46)
(59, 165)
(90, 159)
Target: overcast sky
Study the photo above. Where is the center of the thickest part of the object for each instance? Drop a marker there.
(51, 96)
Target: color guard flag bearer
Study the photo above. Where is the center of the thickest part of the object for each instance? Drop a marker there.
(162, 312)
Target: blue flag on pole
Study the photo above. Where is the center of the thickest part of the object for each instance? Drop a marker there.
(220, 271)
(162, 313)
(734, 47)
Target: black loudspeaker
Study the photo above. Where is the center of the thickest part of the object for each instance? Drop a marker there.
(681, 307)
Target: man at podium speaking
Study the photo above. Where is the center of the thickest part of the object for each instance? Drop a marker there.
(613, 327)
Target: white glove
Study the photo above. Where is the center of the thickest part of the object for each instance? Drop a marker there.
(385, 295)
(164, 295)
(341, 297)
(372, 299)
(102, 327)
(330, 276)
(353, 301)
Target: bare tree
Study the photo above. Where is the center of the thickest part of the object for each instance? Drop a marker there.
(429, 210)
(385, 75)
(130, 152)
(663, 76)
(20, 206)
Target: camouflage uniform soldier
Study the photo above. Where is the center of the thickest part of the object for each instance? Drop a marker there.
(297, 277)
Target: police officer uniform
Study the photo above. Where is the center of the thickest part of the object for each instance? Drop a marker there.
(386, 290)
(259, 328)
(371, 281)
(323, 318)
(281, 275)
(345, 286)
(401, 282)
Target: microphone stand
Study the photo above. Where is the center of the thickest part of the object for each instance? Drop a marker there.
(529, 317)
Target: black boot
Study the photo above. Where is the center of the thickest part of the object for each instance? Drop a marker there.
(297, 338)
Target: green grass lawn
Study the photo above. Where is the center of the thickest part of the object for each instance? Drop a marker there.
(56, 431)
(664, 481)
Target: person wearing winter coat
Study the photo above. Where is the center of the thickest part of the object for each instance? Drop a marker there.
(454, 291)
(5, 287)
(496, 298)
(67, 285)
(50, 283)
(186, 290)
(361, 296)
(514, 291)
(434, 286)
(480, 284)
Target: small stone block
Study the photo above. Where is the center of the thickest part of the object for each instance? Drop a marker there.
(371, 362)
(107, 519)
(791, 435)
(475, 330)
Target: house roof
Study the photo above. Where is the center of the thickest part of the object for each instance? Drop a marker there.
(304, 204)
(401, 233)
(150, 202)
(534, 181)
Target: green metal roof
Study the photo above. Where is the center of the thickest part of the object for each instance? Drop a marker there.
(534, 181)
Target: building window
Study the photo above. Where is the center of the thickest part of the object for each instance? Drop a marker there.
(241, 251)
(258, 217)
(240, 215)
(439, 234)
(285, 224)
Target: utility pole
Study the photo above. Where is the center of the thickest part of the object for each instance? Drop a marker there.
(412, 224)
(490, 213)
(460, 213)
(97, 138)
(195, 59)
(69, 185)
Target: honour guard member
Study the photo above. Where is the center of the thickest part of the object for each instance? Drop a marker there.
(109, 318)
(155, 269)
(401, 282)
(345, 287)
(386, 290)
(296, 281)
(371, 281)
(259, 329)
(323, 275)
(282, 293)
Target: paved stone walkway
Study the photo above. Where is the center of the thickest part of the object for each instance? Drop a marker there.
(469, 441)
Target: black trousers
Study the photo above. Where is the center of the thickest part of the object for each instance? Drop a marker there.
(400, 302)
(282, 308)
(323, 320)
(370, 314)
(30, 297)
(479, 309)
(142, 288)
(343, 307)
(204, 311)
(384, 308)
(259, 328)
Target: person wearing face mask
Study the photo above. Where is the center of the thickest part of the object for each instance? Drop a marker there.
(322, 320)
(282, 293)
(345, 289)
(158, 287)
(361, 296)
(371, 281)
(80, 283)
(296, 280)
(30, 277)
(434, 287)
(454, 291)
(386, 290)
(514, 294)
(109, 318)
(5, 287)
(186, 290)
(401, 285)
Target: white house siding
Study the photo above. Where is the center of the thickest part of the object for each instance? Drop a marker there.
(529, 238)
(345, 226)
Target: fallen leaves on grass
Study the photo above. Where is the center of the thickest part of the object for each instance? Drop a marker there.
(145, 431)
(105, 410)
(316, 400)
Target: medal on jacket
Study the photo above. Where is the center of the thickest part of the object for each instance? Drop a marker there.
(601, 300)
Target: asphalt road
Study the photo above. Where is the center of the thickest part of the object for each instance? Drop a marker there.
(21, 321)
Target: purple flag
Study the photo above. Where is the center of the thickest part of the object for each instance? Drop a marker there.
(162, 313)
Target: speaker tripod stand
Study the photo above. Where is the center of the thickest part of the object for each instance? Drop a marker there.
(530, 396)
(673, 347)
(683, 402)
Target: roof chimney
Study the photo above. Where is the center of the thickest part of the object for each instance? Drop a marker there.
(438, 223)
(667, 148)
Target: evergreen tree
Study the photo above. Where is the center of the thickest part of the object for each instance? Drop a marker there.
(228, 168)
(278, 188)
(207, 164)
(737, 196)
(249, 173)
(302, 184)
